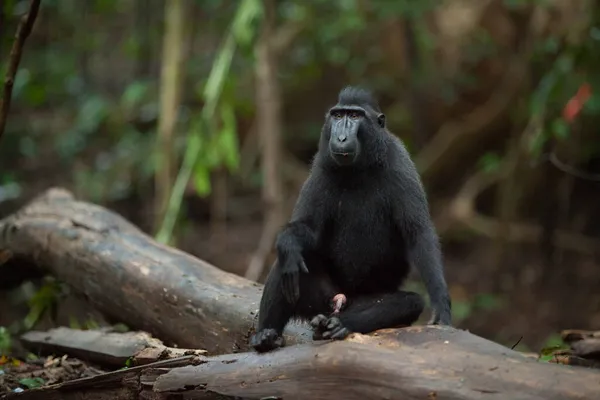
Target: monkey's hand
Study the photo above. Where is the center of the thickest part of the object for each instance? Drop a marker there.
(441, 314)
(290, 277)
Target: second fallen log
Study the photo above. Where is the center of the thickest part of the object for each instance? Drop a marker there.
(128, 276)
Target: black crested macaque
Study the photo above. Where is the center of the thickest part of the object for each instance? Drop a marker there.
(361, 220)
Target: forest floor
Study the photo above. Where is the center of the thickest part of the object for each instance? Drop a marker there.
(16, 374)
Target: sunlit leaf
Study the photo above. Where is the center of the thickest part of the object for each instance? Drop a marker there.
(202, 180)
(229, 138)
(246, 13)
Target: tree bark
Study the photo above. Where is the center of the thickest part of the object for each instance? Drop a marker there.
(177, 297)
(24, 29)
(171, 78)
(268, 121)
(103, 346)
(130, 277)
(430, 362)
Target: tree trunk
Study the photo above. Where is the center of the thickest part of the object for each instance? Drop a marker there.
(23, 30)
(268, 100)
(170, 97)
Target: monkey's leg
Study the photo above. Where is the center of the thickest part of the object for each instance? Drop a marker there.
(275, 311)
(369, 313)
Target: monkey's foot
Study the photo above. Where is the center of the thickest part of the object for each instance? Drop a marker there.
(328, 328)
(266, 340)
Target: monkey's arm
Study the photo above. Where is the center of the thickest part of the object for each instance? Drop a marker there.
(299, 237)
(425, 255)
(411, 217)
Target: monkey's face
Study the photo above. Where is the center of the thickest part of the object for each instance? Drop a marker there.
(344, 126)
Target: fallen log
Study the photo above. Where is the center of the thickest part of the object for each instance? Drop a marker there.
(180, 298)
(584, 344)
(129, 277)
(411, 363)
(102, 346)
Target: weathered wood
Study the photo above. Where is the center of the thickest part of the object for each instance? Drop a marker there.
(573, 335)
(180, 298)
(103, 347)
(585, 344)
(123, 384)
(410, 363)
(587, 348)
(130, 277)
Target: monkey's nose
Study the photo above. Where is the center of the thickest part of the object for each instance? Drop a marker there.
(342, 138)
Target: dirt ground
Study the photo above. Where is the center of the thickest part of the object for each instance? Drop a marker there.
(17, 375)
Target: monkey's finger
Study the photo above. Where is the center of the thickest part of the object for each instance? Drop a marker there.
(289, 290)
(296, 287)
(303, 266)
(333, 323)
(318, 322)
(340, 333)
(286, 286)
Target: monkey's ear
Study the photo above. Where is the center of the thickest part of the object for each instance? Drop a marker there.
(381, 120)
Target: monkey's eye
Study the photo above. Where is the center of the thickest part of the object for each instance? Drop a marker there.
(354, 115)
(337, 115)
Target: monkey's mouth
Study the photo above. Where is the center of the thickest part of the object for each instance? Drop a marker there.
(343, 158)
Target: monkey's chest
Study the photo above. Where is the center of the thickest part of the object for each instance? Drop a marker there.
(363, 244)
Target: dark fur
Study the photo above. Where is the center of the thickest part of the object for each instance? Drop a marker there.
(358, 229)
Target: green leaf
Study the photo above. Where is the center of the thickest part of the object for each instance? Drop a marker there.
(5, 341)
(134, 94)
(461, 309)
(490, 162)
(560, 129)
(34, 314)
(202, 180)
(536, 144)
(247, 12)
(74, 323)
(592, 106)
(44, 299)
(228, 137)
(31, 383)
(487, 301)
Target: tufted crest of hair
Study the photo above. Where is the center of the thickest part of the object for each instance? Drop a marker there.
(351, 95)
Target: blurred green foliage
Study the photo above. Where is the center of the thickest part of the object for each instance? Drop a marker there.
(5, 341)
(86, 94)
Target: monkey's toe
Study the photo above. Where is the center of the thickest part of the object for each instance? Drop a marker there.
(319, 325)
(266, 340)
(334, 329)
(328, 328)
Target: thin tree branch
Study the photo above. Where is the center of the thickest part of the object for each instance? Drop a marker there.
(23, 32)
